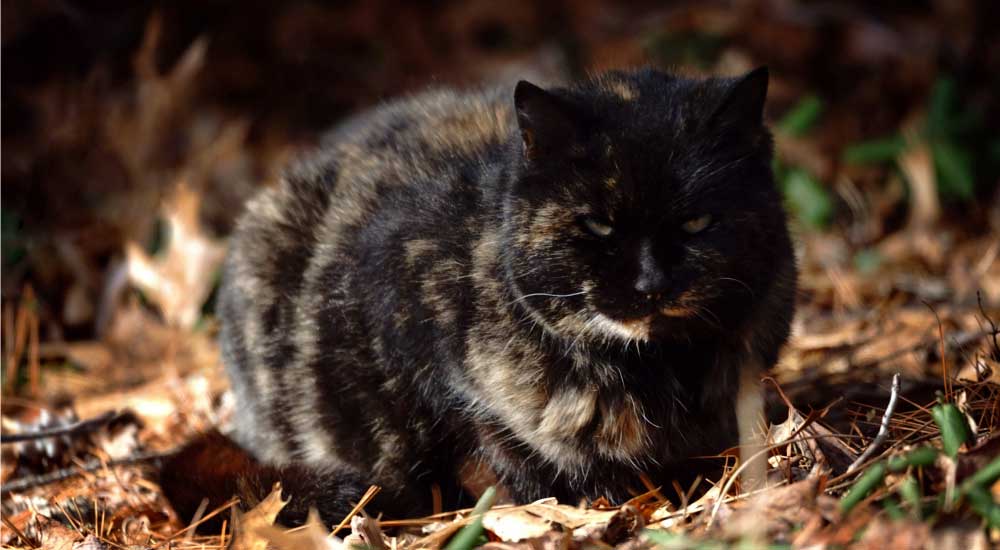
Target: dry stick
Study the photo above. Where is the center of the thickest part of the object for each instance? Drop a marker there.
(20, 339)
(25, 539)
(365, 499)
(25, 483)
(944, 358)
(225, 506)
(202, 507)
(83, 426)
(883, 431)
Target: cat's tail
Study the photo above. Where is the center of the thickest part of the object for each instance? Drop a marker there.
(212, 469)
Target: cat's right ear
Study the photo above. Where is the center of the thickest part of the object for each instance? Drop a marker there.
(545, 120)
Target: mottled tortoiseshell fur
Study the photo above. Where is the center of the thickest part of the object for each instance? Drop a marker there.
(422, 292)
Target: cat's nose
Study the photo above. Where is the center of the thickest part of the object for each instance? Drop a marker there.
(651, 282)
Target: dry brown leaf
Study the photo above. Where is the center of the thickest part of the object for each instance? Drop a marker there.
(180, 279)
(56, 536)
(776, 512)
(918, 165)
(90, 543)
(513, 525)
(529, 521)
(366, 533)
(311, 536)
(882, 533)
(248, 528)
(569, 517)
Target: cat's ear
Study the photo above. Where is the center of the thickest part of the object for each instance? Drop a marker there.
(743, 103)
(546, 122)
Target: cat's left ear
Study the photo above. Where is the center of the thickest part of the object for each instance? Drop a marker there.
(546, 121)
(743, 104)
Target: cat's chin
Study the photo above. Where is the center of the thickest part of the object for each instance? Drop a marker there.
(628, 329)
(668, 322)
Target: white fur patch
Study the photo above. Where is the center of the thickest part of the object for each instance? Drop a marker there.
(631, 330)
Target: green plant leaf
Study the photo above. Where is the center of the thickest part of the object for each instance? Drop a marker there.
(909, 490)
(808, 198)
(953, 167)
(941, 107)
(875, 151)
(954, 430)
(985, 476)
(893, 510)
(867, 261)
(982, 502)
(924, 456)
(802, 117)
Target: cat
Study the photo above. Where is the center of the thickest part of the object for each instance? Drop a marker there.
(572, 288)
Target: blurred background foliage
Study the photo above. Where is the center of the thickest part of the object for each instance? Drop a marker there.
(885, 113)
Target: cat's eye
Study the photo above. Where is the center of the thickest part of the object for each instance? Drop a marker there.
(697, 225)
(598, 227)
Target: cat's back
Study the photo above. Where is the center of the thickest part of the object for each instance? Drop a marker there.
(400, 165)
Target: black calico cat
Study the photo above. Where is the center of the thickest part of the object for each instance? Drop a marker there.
(569, 287)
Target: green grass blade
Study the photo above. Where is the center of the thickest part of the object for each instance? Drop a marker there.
(864, 485)
(469, 535)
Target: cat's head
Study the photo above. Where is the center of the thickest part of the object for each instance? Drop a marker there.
(643, 206)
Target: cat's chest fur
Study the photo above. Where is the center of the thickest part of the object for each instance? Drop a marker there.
(559, 286)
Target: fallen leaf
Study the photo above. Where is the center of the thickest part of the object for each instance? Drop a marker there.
(311, 536)
(367, 532)
(248, 527)
(180, 279)
(90, 543)
(515, 525)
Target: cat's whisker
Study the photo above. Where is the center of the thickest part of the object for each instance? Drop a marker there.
(546, 294)
(701, 311)
(737, 281)
(584, 330)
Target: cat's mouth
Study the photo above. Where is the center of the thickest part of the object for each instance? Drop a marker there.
(677, 311)
(643, 324)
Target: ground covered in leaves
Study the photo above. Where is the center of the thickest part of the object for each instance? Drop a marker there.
(131, 137)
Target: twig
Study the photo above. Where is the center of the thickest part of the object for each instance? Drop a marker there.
(83, 426)
(883, 430)
(25, 483)
(945, 378)
(225, 506)
(20, 535)
(365, 499)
